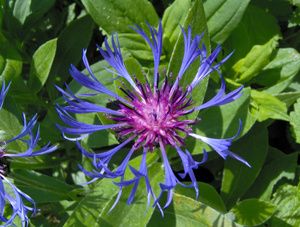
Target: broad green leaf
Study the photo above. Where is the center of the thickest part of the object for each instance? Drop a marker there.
(281, 166)
(94, 207)
(173, 16)
(42, 188)
(257, 27)
(258, 57)
(48, 127)
(91, 206)
(253, 212)
(21, 10)
(69, 50)
(10, 59)
(196, 19)
(12, 70)
(237, 177)
(223, 16)
(279, 73)
(119, 15)
(37, 10)
(41, 65)
(207, 195)
(185, 211)
(294, 121)
(31, 10)
(268, 106)
(35, 163)
(287, 199)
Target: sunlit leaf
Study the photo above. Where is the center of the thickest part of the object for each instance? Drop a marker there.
(253, 212)
(41, 65)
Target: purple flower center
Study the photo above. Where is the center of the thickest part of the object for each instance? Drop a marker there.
(155, 116)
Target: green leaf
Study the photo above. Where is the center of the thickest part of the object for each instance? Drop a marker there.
(94, 207)
(287, 199)
(253, 212)
(11, 61)
(35, 163)
(12, 70)
(48, 127)
(237, 177)
(37, 10)
(41, 65)
(31, 10)
(21, 10)
(257, 27)
(69, 50)
(173, 16)
(196, 19)
(280, 72)
(91, 206)
(118, 15)
(281, 167)
(223, 16)
(294, 121)
(42, 188)
(207, 195)
(185, 211)
(268, 106)
(258, 57)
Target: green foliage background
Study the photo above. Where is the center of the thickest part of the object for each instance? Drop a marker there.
(40, 39)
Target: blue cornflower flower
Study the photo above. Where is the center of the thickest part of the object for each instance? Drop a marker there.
(149, 117)
(9, 193)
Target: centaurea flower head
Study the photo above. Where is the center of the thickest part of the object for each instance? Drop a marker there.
(150, 116)
(9, 193)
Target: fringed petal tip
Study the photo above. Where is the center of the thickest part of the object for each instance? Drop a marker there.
(15, 198)
(3, 92)
(221, 146)
(32, 141)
